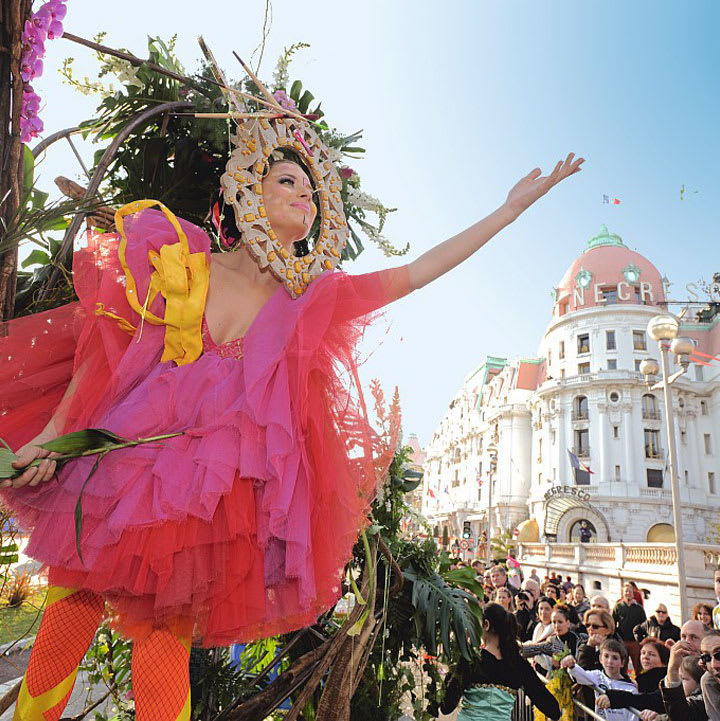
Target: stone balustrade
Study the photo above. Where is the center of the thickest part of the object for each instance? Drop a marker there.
(603, 568)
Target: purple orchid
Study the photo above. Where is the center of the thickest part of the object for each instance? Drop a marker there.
(46, 23)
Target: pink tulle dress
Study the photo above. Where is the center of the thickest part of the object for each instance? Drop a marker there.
(242, 524)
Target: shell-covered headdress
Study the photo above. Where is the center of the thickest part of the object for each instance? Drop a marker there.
(257, 137)
(255, 140)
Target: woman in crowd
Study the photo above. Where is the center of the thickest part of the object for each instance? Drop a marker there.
(542, 632)
(580, 601)
(488, 685)
(703, 612)
(600, 626)
(654, 657)
(504, 598)
(659, 626)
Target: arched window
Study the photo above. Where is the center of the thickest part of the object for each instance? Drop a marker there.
(580, 408)
(583, 531)
(661, 533)
(650, 407)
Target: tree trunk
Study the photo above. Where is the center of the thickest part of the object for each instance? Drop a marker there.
(13, 14)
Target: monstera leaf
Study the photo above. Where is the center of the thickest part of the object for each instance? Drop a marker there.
(441, 609)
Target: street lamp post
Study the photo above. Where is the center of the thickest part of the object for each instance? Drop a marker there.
(492, 452)
(664, 328)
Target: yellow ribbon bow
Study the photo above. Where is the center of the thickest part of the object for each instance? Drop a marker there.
(181, 277)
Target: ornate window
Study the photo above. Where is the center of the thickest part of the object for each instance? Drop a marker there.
(580, 408)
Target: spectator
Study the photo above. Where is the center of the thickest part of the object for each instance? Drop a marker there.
(580, 602)
(477, 566)
(498, 578)
(562, 632)
(503, 596)
(613, 657)
(640, 596)
(515, 574)
(535, 577)
(542, 631)
(600, 626)
(533, 589)
(568, 585)
(716, 610)
(680, 706)
(487, 584)
(654, 657)
(525, 615)
(692, 633)
(710, 659)
(627, 614)
(600, 601)
(657, 626)
(703, 612)
(550, 590)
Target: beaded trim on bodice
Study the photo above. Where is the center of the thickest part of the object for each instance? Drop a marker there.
(231, 349)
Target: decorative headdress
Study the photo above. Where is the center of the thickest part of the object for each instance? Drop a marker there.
(257, 137)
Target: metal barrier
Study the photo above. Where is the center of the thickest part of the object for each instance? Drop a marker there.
(523, 709)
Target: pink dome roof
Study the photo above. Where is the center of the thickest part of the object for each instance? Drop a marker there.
(608, 272)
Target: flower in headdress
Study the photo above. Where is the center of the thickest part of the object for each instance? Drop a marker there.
(285, 100)
(346, 172)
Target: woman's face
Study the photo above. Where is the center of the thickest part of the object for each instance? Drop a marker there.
(560, 623)
(288, 201)
(502, 597)
(578, 594)
(544, 612)
(551, 592)
(704, 616)
(596, 627)
(649, 657)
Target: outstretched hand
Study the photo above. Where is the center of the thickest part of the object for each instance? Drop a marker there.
(534, 185)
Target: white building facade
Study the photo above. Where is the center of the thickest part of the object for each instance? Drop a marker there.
(512, 423)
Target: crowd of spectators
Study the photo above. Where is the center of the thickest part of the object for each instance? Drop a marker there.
(628, 661)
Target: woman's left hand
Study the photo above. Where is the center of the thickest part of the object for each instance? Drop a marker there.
(534, 185)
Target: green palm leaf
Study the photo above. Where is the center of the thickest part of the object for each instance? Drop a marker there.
(441, 609)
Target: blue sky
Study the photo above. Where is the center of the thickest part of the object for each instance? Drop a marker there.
(458, 100)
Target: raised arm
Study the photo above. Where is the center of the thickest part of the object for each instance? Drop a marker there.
(444, 257)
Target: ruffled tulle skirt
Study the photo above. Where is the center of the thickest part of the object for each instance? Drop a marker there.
(242, 525)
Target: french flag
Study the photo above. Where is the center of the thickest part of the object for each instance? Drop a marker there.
(575, 463)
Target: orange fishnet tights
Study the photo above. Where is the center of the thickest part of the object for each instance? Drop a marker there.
(159, 663)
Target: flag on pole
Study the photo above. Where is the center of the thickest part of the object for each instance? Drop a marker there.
(575, 463)
(479, 479)
(606, 200)
(431, 493)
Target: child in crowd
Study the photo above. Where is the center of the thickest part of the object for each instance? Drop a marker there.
(613, 659)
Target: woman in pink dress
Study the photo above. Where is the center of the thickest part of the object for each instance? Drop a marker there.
(240, 527)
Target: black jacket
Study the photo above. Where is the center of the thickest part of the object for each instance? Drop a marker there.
(652, 627)
(491, 670)
(649, 697)
(626, 617)
(681, 708)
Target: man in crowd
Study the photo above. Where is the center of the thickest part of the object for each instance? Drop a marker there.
(692, 634)
(627, 614)
(716, 610)
(498, 578)
(678, 707)
(600, 601)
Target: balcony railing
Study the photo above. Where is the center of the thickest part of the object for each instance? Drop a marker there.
(580, 415)
(582, 452)
(649, 414)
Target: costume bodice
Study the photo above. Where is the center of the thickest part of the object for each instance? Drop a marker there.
(487, 702)
(231, 349)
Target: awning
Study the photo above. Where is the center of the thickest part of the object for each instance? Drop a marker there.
(557, 506)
